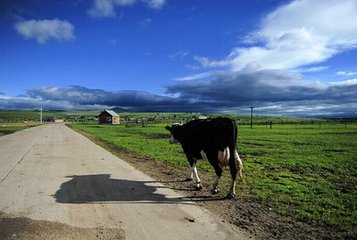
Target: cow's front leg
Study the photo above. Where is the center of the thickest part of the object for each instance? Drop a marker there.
(190, 175)
(193, 174)
(191, 161)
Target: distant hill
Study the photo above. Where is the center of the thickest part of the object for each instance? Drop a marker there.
(119, 110)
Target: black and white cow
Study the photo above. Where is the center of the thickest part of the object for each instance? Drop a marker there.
(213, 140)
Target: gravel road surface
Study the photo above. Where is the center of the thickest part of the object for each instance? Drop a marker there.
(55, 183)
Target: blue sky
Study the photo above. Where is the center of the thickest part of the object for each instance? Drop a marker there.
(284, 57)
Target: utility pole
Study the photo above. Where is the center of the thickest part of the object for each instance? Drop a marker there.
(251, 116)
(41, 112)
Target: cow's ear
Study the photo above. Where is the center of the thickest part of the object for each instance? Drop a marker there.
(168, 128)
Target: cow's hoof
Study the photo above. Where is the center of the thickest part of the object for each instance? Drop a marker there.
(188, 179)
(214, 191)
(199, 186)
(231, 196)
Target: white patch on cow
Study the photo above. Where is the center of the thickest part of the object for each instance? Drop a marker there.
(239, 164)
(195, 174)
(223, 157)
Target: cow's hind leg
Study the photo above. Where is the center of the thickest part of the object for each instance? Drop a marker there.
(235, 167)
(213, 160)
(218, 171)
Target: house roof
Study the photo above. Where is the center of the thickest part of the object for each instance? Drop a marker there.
(114, 114)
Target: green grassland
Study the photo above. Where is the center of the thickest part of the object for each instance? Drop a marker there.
(27, 115)
(307, 171)
(34, 115)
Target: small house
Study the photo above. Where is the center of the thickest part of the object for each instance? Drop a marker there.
(201, 117)
(59, 120)
(109, 117)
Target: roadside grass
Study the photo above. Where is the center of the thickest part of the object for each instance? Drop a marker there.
(305, 171)
(8, 128)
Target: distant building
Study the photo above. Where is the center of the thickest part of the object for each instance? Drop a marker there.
(48, 119)
(109, 117)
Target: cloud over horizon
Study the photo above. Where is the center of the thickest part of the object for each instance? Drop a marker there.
(271, 91)
(264, 88)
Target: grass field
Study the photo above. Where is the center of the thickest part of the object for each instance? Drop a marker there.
(305, 171)
(8, 128)
(26, 115)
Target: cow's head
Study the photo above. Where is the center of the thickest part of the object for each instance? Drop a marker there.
(175, 131)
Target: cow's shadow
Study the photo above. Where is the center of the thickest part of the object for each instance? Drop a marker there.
(102, 188)
(198, 196)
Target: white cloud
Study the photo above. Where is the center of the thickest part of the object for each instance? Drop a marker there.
(194, 77)
(156, 4)
(193, 67)
(106, 8)
(296, 47)
(345, 83)
(179, 54)
(332, 20)
(301, 33)
(206, 62)
(145, 22)
(315, 69)
(44, 30)
(346, 73)
(297, 34)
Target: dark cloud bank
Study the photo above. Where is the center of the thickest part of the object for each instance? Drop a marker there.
(271, 91)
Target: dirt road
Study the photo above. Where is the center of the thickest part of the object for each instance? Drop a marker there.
(55, 183)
